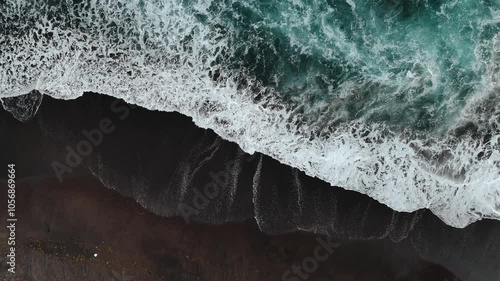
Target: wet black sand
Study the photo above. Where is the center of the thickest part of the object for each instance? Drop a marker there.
(62, 225)
(162, 160)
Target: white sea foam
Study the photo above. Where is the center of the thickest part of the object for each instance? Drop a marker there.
(163, 65)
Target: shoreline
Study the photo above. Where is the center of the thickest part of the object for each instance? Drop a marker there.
(162, 160)
(62, 226)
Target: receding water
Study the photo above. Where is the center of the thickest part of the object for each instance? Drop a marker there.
(395, 99)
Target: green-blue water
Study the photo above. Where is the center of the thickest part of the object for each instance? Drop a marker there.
(403, 63)
(404, 95)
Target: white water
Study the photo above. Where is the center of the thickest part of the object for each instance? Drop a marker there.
(167, 75)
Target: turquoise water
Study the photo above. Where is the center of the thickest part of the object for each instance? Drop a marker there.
(404, 95)
(403, 63)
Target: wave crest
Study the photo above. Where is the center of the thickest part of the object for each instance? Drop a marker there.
(158, 55)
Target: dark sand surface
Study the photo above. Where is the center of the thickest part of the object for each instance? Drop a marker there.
(160, 160)
(62, 225)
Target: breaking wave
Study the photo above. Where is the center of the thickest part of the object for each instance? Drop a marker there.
(396, 100)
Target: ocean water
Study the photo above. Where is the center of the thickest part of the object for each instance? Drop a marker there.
(395, 99)
(145, 159)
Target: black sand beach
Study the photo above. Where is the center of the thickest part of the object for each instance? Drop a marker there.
(234, 210)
